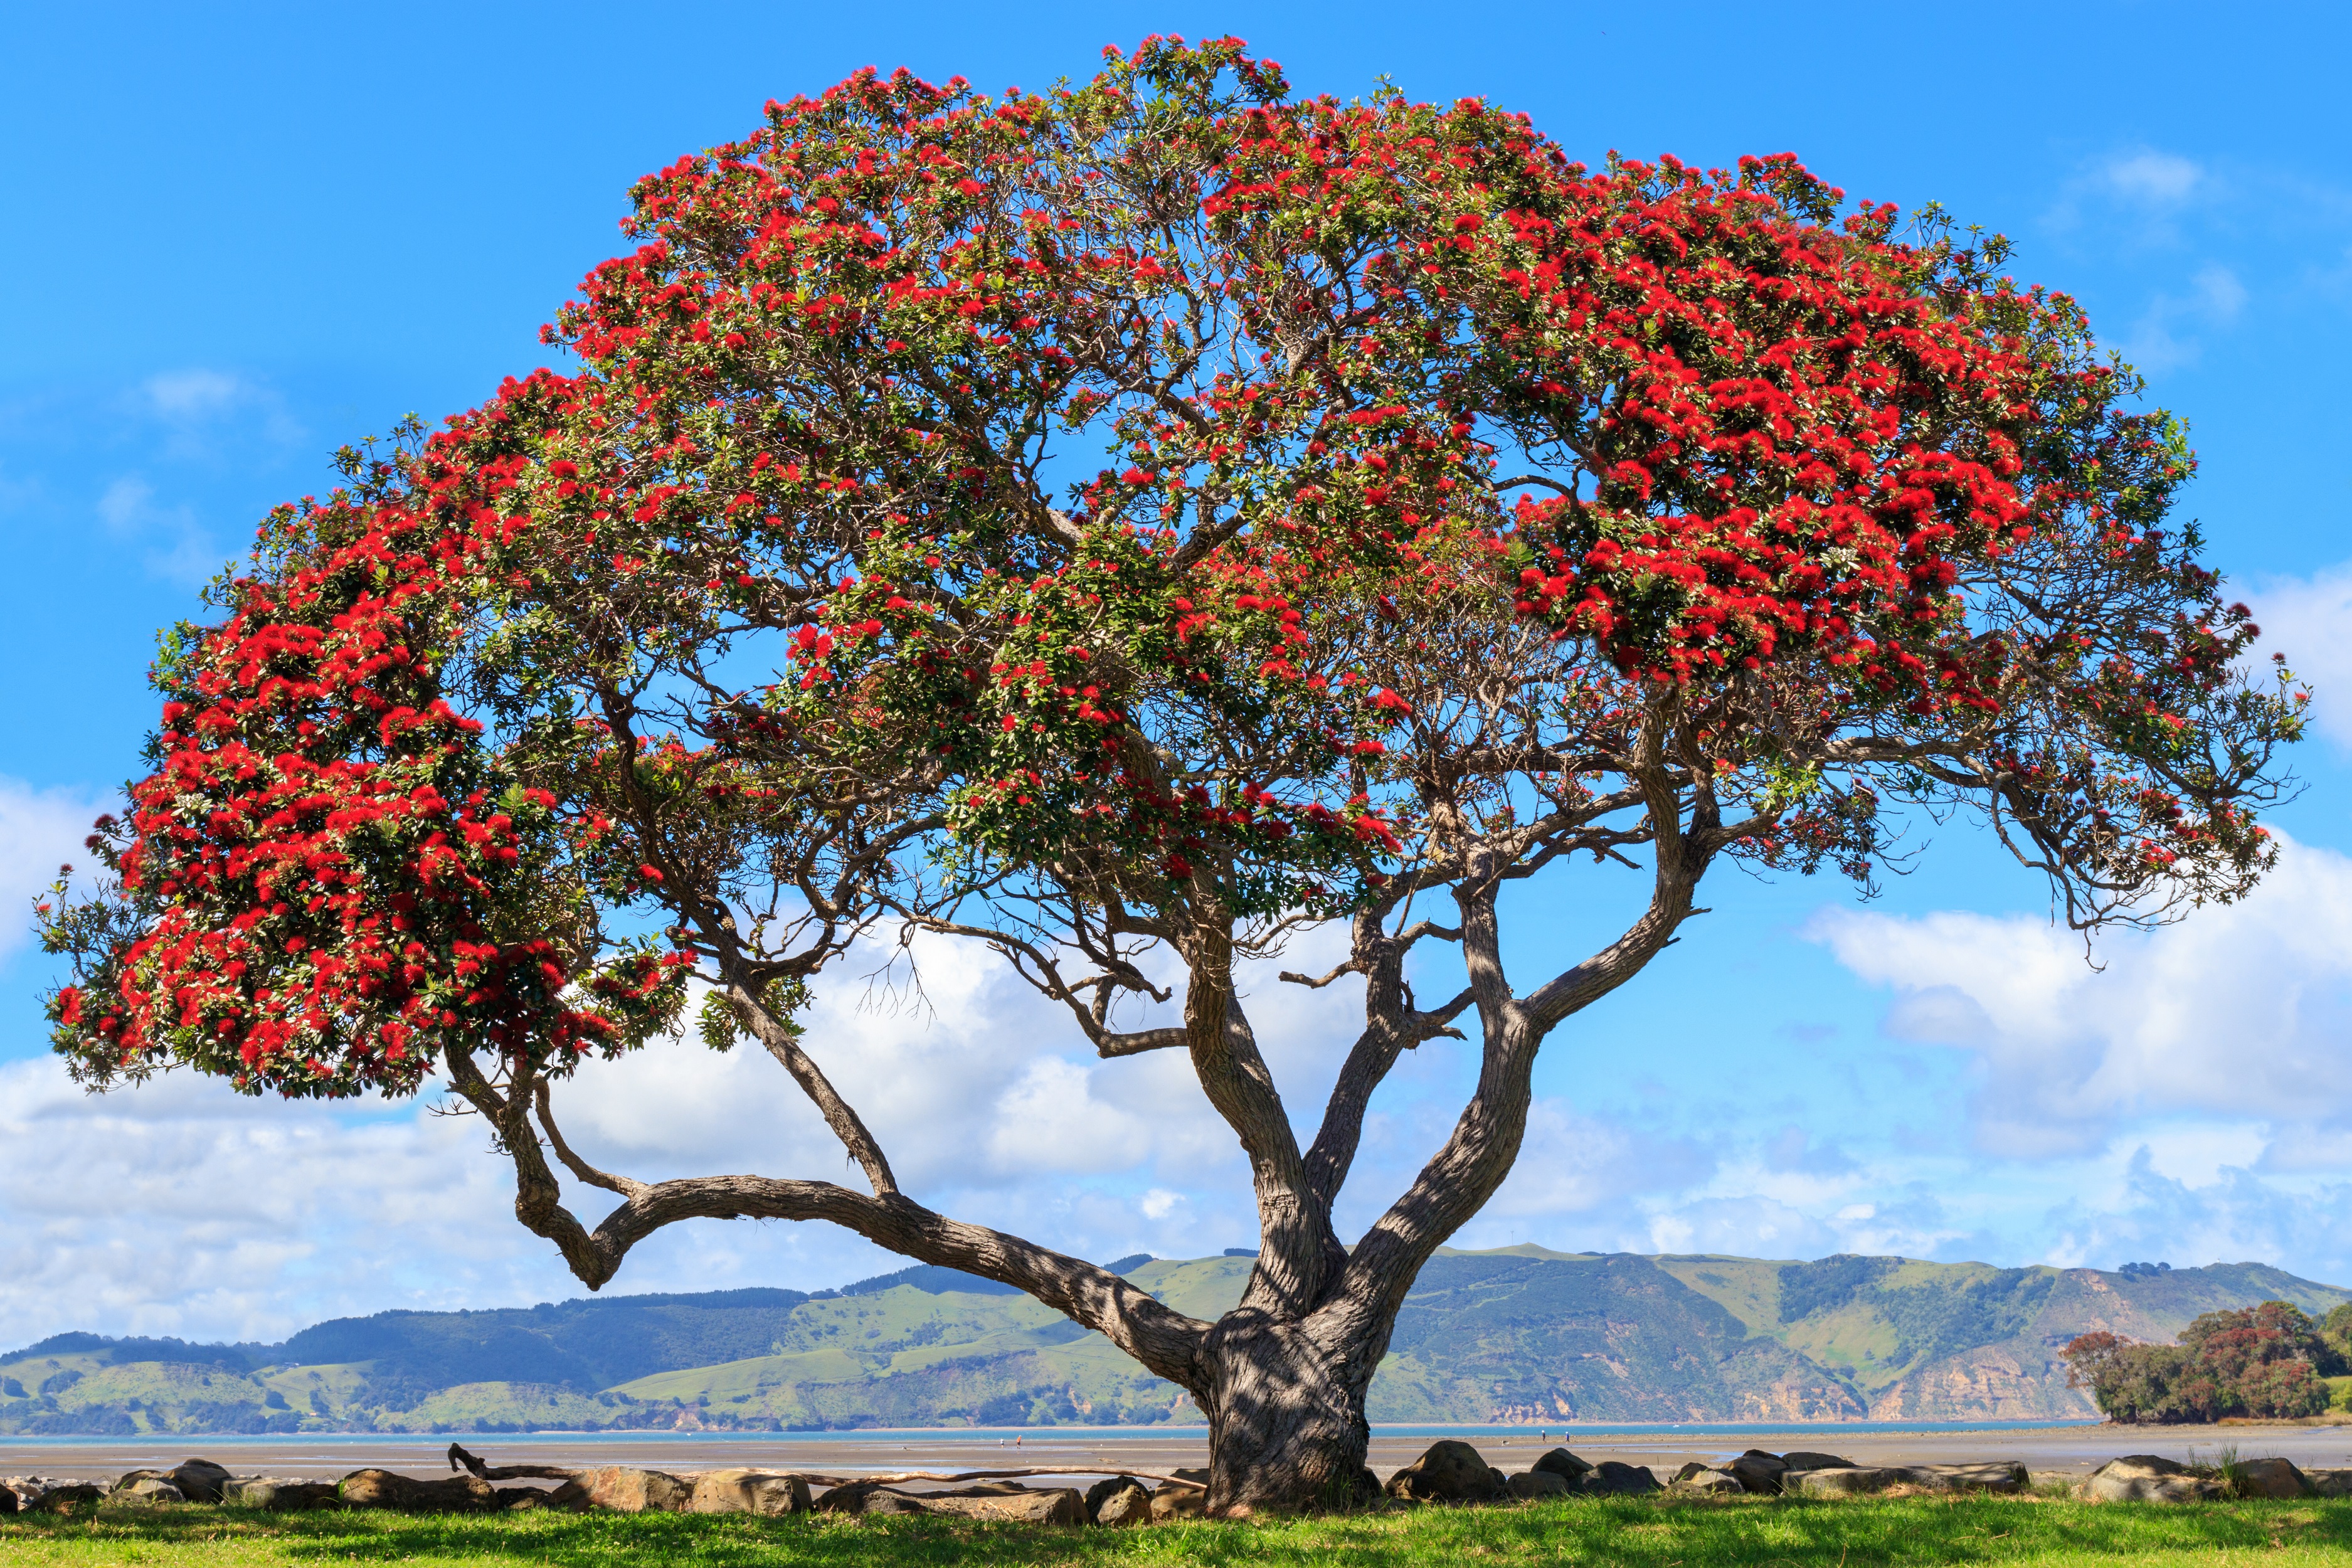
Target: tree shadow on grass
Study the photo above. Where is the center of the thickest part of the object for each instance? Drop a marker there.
(1752, 1532)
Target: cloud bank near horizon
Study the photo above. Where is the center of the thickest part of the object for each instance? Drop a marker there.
(2131, 1112)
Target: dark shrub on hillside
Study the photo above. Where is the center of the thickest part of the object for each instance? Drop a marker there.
(2265, 1361)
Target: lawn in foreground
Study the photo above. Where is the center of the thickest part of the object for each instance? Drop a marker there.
(1674, 1534)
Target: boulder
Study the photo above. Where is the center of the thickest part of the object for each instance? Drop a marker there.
(866, 1496)
(1760, 1472)
(2268, 1478)
(1122, 1499)
(1610, 1476)
(200, 1481)
(1448, 1471)
(624, 1488)
(1178, 1502)
(1842, 1481)
(276, 1493)
(65, 1497)
(1565, 1465)
(375, 1488)
(1009, 1504)
(1707, 1479)
(2146, 1478)
(407, 1494)
(2327, 1483)
(1801, 1461)
(2000, 1476)
(764, 1493)
(1533, 1484)
(9, 1502)
(145, 1489)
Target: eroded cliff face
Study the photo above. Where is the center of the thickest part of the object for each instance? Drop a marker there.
(1796, 1398)
(2021, 1381)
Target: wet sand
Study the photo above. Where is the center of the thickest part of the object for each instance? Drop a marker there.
(2060, 1450)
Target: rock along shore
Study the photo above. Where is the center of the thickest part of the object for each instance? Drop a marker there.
(1450, 1471)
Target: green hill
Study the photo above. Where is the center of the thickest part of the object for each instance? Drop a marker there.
(1516, 1335)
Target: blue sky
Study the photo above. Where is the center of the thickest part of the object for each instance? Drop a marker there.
(240, 238)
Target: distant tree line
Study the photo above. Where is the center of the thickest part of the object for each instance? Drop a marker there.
(2268, 1360)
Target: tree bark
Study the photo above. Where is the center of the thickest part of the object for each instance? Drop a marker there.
(1286, 1427)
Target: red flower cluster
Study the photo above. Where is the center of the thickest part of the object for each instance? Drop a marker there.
(340, 881)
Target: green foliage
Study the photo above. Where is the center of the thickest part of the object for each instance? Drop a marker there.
(2262, 1360)
(1829, 1283)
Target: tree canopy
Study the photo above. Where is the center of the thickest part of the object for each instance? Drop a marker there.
(2268, 1361)
(1136, 524)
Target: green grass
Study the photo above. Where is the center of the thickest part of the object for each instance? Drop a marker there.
(1749, 1533)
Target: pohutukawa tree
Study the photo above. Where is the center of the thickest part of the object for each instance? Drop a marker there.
(1128, 527)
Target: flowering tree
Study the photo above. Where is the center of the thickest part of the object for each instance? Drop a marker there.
(2269, 1362)
(1128, 527)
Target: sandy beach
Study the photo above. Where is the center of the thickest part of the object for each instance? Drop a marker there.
(2059, 1450)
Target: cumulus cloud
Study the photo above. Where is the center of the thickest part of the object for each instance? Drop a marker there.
(2152, 178)
(2239, 1011)
(1572, 1164)
(2309, 619)
(39, 831)
(180, 1207)
(175, 545)
(206, 412)
(2170, 332)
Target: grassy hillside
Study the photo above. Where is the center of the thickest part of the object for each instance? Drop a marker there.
(1520, 1334)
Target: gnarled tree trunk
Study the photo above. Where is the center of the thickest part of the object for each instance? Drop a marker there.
(1286, 1427)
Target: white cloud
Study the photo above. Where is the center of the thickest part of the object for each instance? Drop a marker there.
(179, 549)
(193, 393)
(2170, 332)
(2239, 1011)
(205, 411)
(2155, 179)
(39, 831)
(2309, 619)
(1571, 1165)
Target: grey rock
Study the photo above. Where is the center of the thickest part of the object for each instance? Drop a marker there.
(1448, 1471)
(144, 1489)
(1802, 1460)
(200, 1481)
(407, 1494)
(1533, 1484)
(768, 1493)
(66, 1496)
(1121, 1500)
(1565, 1465)
(1760, 1472)
(1842, 1481)
(623, 1488)
(864, 1497)
(2146, 1478)
(1016, 1505)
(1610, 1476)
(1171, 1502)
(2269, 1479)
(2000, 1476)
(1705, 1479)
(279, 1494)
(2330, 1482)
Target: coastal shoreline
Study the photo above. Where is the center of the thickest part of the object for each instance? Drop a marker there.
(2060, 1450)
